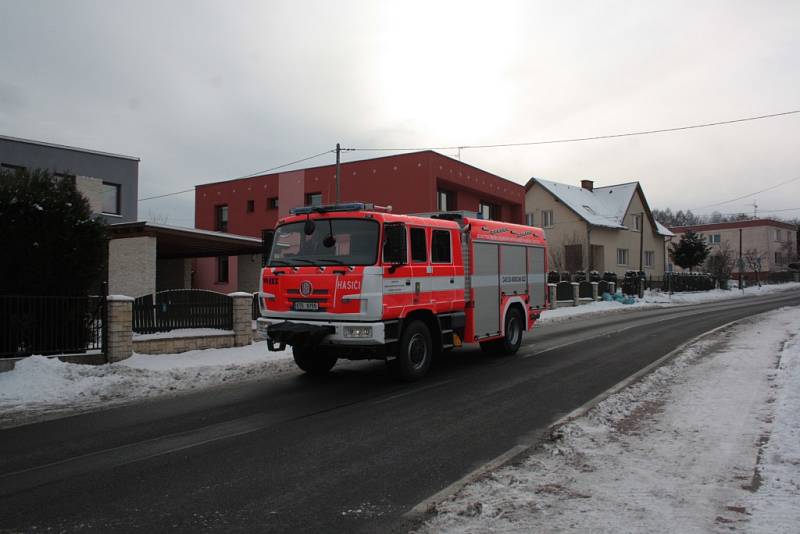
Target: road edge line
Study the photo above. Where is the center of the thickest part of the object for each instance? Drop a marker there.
(424, 506)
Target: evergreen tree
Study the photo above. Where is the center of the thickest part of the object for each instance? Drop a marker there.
(690, 251)
(52, 243)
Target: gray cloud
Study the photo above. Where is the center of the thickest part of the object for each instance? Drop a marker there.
(203, 91)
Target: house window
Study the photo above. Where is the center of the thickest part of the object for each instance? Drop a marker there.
(714, 239)
(488, 211)
(622, 256)
(547, 218)
(440, 246)
(778, 235)
(10, 167)
(419, 248)
(251, 206)
(222, 218)
(445, 201)
(272, 203)
(649, 258)
(637, 223)
(111, 200)
(222, 269)
(529, 219)
(314, 199)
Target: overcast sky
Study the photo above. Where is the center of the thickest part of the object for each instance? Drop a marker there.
(204, 91)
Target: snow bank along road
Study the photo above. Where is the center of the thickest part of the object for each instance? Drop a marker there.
(350, 452)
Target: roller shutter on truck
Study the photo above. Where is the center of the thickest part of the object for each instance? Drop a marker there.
(485, 285)
(536, 274)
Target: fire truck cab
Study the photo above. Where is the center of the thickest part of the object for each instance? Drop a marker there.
(356, 281)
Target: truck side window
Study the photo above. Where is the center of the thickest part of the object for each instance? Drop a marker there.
(418, 245)
(440, 246)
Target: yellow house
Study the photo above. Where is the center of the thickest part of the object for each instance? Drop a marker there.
(591, 228)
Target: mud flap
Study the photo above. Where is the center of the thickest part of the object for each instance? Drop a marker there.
(296, 334)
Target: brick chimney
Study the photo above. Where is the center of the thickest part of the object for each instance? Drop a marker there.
(587, 184)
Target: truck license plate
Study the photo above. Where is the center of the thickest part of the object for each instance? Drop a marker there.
(306, 306)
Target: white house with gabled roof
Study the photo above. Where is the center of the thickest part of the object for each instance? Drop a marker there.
(589, 228)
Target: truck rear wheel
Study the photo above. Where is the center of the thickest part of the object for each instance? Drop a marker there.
(510, 343)
(416, 352)
(313, 361)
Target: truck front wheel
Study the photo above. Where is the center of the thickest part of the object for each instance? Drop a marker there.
(314, 361)
(415, 354)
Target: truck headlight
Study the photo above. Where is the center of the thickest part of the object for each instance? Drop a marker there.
(357, 331)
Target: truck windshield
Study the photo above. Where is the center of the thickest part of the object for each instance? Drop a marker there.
(355, 242)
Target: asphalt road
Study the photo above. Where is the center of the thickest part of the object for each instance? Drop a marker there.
(351, 452)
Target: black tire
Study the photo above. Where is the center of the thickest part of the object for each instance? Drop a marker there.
(415, 353)
(313, 361)
(510, 343)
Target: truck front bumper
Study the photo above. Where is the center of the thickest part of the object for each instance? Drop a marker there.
(280, 332)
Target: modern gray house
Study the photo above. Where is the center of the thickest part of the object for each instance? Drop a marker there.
(109, 181)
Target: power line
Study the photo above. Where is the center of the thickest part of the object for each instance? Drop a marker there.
(259, 173)
(748, 195)
(592, 138)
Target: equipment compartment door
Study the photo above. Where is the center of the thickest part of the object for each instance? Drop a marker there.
(514, 277)
(536, 285)
(486, 285)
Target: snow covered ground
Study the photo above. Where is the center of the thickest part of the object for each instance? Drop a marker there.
(707, 443)
(654, 299)
(40, 387)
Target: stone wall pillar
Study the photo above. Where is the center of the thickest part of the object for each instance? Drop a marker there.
(242, 318)
(594, 291)
(551, 291)
(119, 330)
(575, 293)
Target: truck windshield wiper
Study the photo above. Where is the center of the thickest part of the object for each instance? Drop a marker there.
(309, 262)
(272, 262)
(332, 260)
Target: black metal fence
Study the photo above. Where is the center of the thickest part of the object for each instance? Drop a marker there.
(50, 325)
(182, 308)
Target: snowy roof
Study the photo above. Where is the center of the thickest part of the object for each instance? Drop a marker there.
(603, 206)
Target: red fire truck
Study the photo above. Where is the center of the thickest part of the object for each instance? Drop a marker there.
(356, 281)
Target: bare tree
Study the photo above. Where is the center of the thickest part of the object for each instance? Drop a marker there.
(720, 263)
(753, 260)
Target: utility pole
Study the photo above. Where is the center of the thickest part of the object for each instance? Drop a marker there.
(741, 265)
(338, 150)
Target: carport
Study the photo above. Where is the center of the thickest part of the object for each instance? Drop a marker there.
(145, 257)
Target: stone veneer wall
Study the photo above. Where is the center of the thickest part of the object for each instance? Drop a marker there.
(175, 345)
(132, 266)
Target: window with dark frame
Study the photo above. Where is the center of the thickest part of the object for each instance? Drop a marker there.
(445, 200)
(111, 200)
(272, 203)
(314, 199)
(221, 218)
(489, 211)
(251, 206)
(419, 247)
(222, 269)
(11, 167)
(440, 246)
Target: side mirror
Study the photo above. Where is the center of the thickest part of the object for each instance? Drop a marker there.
(308, 227)
(267, 236)
(394, 243)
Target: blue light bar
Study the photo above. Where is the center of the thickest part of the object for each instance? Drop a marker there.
(350, 206)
